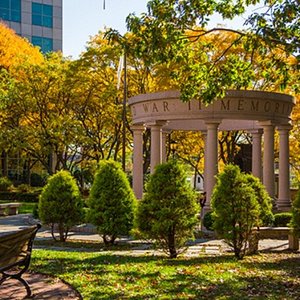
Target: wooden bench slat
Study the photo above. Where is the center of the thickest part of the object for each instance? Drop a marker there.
(16, 243)
(15, 251)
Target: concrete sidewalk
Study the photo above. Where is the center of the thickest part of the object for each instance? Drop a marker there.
(42, 287)
(87, 233)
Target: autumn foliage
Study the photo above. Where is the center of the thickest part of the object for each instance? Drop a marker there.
(67, 109)
(16, 50)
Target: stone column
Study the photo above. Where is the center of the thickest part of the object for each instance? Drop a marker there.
(256, 153)
(211, 159)
(284, 202)
(268, 158)
(137, 173)
(204, 135)
(164, 144)
(156, 145)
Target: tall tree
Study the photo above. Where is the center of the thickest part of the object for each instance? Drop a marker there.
(15, 51)
(43, 101)
(142, 77)
(98, 106)
(165, 30)
(190, 149)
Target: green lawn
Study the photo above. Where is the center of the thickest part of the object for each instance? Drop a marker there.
(99, 275)
(27, 207)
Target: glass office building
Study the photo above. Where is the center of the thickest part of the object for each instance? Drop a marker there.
(40, 21)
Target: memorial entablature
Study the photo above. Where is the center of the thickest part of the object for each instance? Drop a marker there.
(259, 113)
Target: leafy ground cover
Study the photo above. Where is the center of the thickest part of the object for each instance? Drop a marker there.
(106, 275)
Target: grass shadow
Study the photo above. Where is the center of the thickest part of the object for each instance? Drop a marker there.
(110, 276)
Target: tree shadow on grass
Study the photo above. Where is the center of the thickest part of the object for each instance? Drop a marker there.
(84, 245)
(109, 276)
(200, 286)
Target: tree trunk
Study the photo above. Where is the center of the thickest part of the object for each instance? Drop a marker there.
(62, 233)
(52, 232)
(172, 245)
(4, 164)
(26, 171)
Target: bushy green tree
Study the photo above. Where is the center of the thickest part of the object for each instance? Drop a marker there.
(282, 219)
(5, 184)
(112, 202)
(60, 204)
(265, 201)
(236, 209)
(167, 213)
(295, 220)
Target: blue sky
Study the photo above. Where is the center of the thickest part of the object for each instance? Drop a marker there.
(84, 18)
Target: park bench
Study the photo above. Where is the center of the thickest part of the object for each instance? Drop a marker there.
(15, 254)
(274, 233)
(9, 208)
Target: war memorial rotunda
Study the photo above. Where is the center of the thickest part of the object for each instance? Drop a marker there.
(259, 113)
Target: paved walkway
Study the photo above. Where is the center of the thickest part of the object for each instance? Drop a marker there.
(87, 233)
(45, 287)
(42, 287)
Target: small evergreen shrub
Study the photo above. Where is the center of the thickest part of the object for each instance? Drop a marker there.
(24, 188)
(111, 202)
(60, 204)
(35, 212)
(239, 204)
(282, 219)
(265, 201)
(168, 212)
(295, 215)
(5, 184)
(208, 220)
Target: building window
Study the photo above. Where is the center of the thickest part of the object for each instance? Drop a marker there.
(45, 44)
(42, 14)
(10, 10)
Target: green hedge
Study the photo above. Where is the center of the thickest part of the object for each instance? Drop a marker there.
(282, 219)
(5, 184)
(19, 196)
